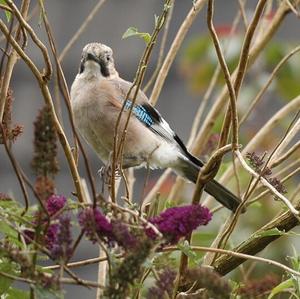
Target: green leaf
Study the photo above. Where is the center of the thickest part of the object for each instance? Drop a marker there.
(5, 282)
(187, 250)
(16, 294)
(7, 230)
(41, 292)
(156, 17)
(281, 288)
(271, 232)
(7, 13)
(133, 31)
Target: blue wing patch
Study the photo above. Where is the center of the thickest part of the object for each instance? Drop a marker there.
(140, 113)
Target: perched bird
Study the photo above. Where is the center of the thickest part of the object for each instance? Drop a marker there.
(97, 96)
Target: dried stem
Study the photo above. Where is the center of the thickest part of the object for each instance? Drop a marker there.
(119, 143)
(185, 26)
(258, 241)
(12, 59)
(162, 47)
(254, 52)
(266, 183)
(81, 29)
(267, 84)
(238, 255)
(16, 168)
(48, 99)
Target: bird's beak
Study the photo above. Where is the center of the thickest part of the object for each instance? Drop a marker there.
(92, 57)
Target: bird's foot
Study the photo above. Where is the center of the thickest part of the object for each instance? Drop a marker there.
(105, 172)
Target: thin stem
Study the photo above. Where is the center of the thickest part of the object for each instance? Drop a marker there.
(238, 255)
(162, 47)
(16, 168)
(267, 84)
(266, 183)
(182, 31)
(81, 29)
(12, 59)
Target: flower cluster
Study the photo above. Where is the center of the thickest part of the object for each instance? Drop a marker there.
(164, 283)
(44, 162)
(178, 222)
(61, 244)
(258, 163)
(215, 285)
(131, 267)
(10, 132)
(55, 203)
(20, 257)
(259, 287)
(97, 226)
(57, 234)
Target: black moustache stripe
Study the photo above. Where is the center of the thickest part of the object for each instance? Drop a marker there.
(103, 67)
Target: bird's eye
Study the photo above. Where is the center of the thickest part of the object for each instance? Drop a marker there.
(108, 58)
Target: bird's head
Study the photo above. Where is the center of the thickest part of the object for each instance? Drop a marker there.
(98, 58)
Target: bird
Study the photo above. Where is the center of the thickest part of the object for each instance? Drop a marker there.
(98, 94)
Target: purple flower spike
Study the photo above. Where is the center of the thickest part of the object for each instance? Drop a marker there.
(55, 203)
(51, 236)
(61, 247)
(94, 222)
(123, 236)
(178, 222)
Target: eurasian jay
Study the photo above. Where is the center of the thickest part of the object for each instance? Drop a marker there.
(97, 96)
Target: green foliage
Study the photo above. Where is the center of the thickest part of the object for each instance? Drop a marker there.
(46, 293)
(14, 293)
(282, 287)
(7, 13)
(133, 31)
(8, 268)
(188, 251)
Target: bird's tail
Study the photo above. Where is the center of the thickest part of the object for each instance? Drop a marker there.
(190, 169)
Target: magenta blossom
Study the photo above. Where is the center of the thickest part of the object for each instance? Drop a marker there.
(178, 222)
(62, 239)
(55, 203)
(95, 224)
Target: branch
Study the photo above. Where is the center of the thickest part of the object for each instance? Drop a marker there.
(257, 241)
(12, 59)
(81, 29)
(47, 97)
(237, 255)
(182, 31)
(266, 183)
(256, 49)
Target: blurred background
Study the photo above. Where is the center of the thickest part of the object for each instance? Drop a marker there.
(180, 96)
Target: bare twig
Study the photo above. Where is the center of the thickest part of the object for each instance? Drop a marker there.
(81, 29)
(267, 84)
(186, 24)
(239, 256)
(258, 241)
(12, 59)
(16, 168)
(119, 142)
(64, 90)
(285, 156)
(266, 183)
(161, 48)
(256, 49)
(48, 72)
(48, 100)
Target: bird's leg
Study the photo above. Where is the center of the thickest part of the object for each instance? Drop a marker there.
(105, 171)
